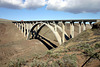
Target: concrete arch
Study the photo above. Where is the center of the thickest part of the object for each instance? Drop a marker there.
(52, 29)
(66, 35)
(30, 33)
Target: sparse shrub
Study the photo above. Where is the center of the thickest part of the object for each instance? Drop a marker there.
(54, 64)
(65, 50)
(69, 60)
(72, 48)
(49, 52)
(49, 61)
(55, 55)
(11, 64)
(34, 62)
(97, 55)
(88, 51)
(97, 45)
(82, 46)
(17, 63)
(36, 56)
(78, 47)
(37, 63)
(60, 63)
(43, 64)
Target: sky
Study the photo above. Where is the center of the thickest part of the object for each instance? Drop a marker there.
(49, 9)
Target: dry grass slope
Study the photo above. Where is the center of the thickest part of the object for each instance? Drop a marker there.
(14, 45)
(83, 50)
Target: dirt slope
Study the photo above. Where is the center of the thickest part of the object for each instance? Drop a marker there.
(81, 51)
(14, 45)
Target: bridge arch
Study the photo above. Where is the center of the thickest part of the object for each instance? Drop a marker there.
(50, 27)
(30, 33)
(60, 28)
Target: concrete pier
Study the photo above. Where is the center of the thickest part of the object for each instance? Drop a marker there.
(80, 27)
(63, 34)
(84, 26)
(90, 23)
(19, 26)
(71, 29)
(24, 29)
(55, 26)
(27, 29)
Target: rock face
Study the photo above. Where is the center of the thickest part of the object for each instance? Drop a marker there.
(96, 25)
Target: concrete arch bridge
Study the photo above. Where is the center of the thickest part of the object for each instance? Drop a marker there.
(31, 29)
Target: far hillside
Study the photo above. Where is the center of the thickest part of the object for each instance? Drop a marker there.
(5, 20)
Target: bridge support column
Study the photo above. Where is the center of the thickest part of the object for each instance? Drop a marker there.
(15, 24)
(38, 26)
(33, 24)
(84, 26)
(35, 29)
(19, 26)
(79, 27)
(71, 29)
(55, 28)
(90, 24)
(24, 29)
(30, 27)
(63, 29)
(27, 29)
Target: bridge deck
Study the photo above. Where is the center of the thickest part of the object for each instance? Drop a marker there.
(78, 20)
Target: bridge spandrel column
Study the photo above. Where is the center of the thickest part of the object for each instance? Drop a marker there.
(19, 26)
(31, 25)
(38, 26)
(90, 24)
(55, 28)
(15, 23)
(80, 27)
(63, 29)
(84, 26)
(71, 29)
(27, 29)
(24, 29)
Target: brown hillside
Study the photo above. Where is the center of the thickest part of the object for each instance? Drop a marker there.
(81, 51)
(14, 45)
